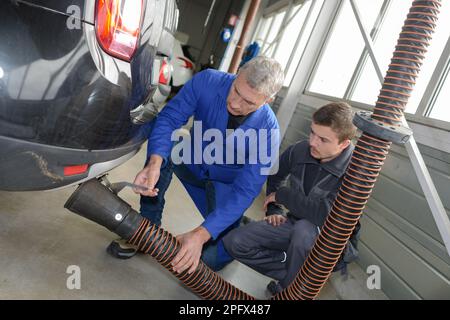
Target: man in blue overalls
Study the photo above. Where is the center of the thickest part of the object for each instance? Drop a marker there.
(221, 190)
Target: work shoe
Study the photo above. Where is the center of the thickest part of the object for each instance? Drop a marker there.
(274, 287)
(121, 249)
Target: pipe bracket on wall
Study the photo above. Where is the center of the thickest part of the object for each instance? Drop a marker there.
(398, 134)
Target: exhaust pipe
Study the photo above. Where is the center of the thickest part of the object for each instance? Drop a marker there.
(98, 203)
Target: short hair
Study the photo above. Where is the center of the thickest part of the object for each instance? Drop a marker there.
(338, 116)
(264, 74)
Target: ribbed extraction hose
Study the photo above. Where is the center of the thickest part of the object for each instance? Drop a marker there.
(163, 246)
(369, 154)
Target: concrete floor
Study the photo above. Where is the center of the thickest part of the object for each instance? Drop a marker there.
(39, 240)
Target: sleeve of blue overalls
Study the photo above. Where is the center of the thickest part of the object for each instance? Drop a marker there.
(233, 199)
(174, 115)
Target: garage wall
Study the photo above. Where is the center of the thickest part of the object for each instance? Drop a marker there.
(398, 231)
(192, 17)
(206, 41)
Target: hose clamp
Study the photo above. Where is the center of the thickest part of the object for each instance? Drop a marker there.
(398, 134)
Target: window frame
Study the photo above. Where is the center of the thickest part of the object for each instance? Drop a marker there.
(291, 9)
(426, 104)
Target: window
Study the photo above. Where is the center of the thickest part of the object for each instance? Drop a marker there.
(346, 70)
(440, 38)
(384, 47)
(263, 29)
(441, 106)
(269, 45)
(368, 86)
(284, 38)
(290, 33)
(343, 50)
(313, 11)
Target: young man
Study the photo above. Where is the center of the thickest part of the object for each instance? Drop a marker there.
(221, 190)
(279, 245)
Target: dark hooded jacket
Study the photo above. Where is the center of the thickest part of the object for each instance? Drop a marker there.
(311, 185)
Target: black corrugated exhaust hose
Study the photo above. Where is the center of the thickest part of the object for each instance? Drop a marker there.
(98, 203)
(370, 152)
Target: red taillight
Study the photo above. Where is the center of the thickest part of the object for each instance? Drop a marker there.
(117, 26)
(73, 170)
(164, 73)
(187, 63)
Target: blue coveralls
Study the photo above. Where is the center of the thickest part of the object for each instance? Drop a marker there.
(221, 192)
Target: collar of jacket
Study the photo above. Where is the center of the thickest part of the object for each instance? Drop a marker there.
(336, 167)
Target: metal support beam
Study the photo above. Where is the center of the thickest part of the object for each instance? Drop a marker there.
(267, 32)
(300, 34)
(429, 190)
(428, 96)
(211, 8)
(286, 20)
(420, 169)
(363, 57)
(368, 41)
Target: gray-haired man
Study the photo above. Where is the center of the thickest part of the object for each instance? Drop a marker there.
(221, 190)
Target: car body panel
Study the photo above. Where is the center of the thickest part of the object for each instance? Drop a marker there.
(53, 93)
(180, 74)
(61, 94)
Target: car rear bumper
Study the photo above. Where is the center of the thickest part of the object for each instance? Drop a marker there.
(63, 100)
(27, 166)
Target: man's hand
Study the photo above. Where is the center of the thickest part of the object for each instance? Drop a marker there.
(275, 219)
(149, 176)
(191, 249)
(270, 198)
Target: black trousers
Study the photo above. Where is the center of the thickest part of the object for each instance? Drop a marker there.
(277, 252)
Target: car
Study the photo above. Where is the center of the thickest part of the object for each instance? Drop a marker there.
(183, 66)
(145, 113)
(167, 85)
(77, 79)
(164, 87)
